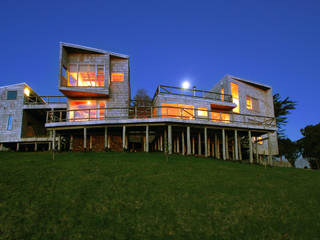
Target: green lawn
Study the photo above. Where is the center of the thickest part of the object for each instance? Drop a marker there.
(142, 196)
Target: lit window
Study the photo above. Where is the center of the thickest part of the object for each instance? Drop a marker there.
(202, 112)
(84, 110)
(27, 92)
(100, 76)
(9, 124)
(85, 75)
(260, 140)
(73, 75)
(11, 95)
(235, 97)
(222, 94)
(249, 103)
(220, 117)
(117, 77)
(173, 110)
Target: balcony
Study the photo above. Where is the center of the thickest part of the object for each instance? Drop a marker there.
(45, 102)
(156, 115)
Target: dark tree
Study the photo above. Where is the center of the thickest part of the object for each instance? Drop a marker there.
(142, 104)
(310, 145)
(289, 149)
(282, 109)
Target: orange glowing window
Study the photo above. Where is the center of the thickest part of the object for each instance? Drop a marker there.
(85, 75)
(222, 94)
(85, 110)
(220, 117)
(202, 112)
(249, 103)
(117, 77)
(235, 97)
(187, 111)
(100, 76)
(173, 110)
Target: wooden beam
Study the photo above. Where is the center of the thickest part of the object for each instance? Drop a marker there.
(250, 147)
(236, 144)
(205, 142)
(53, 140)
(182, 143)
(170, 139)
(269, 149)
(35, 146)
(227, 146)
(147, 138)
(223, 144)
(178, 144)
(188, 141)
(71, 143)
(85, 139)
(199, 144)
(105, 137)
(123, 138)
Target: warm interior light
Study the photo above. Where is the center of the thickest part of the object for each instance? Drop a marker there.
(186, 85)
(88, 102)
(27, 92)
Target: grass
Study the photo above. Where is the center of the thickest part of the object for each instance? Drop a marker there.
(142, 196)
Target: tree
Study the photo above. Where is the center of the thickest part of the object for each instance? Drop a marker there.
(289, 149)
(142, 104)
(310, 145)
(281, 110)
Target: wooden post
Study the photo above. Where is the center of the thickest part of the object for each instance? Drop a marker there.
(18, 146)
(182, 143)
(105, 137)
(236, 144)
(227, 147)
(178, 144)
(59, 143)
(90, 142)
(174, 145)
(161, 143)
(193, 145)
(49, 146)
(147, 138)
(71, 143)
(239, 144)
(123, 138)
(85, 139)
(257, 154)
(188, 141)
(269, 149)
(35, 147)
(212, 148)
(53, 140)
(250, 147)
(199, 144)
(216, 146)
(170, 139)
(223, 144)
(209, 146)
(109, 142)
(205, 142)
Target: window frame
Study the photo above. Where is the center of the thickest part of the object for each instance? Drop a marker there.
(115, 74)
(96, 66)
(12, 91)
(9, 122)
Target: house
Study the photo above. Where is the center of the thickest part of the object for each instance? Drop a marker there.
(233, 120)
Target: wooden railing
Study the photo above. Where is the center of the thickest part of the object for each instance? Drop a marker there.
(163, 89)
(45, 100)
(106, 114)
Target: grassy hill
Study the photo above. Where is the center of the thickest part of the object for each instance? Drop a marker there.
(144, 196)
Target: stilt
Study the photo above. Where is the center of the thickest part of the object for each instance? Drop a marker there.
(199, 144)
(71, 143)
(85, 139)
(109, 142)
(49, 146)
(227, 147)
(209, 145)
(250, 147)
(147, 138)
(223, 144)
(257, 154)
(205, 142)
(105, 138)
(269, 149)
(124, 138)
(216, 147)
(174, 145)
(188, 141)
(165, 136)
(182, 143)
(236, 144)
(90, 143)
(212, 149)
(170, 139)
(53, 140)
(193, 145)
(1, 147)
(59, 143)
(239, 144)
(178, 144)
(35, 147)
(161, 143)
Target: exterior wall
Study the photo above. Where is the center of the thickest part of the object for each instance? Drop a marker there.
(14, 108)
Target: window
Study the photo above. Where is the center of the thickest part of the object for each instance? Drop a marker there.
(9, 124)
(235, 97)
(11, 95)
(85, 110)
(117, 77)
(222, 94)
(173, 110)
(27, 92)
(220, 117)
(253, 104)
(85, 75)
(258, 140)
(202, 112)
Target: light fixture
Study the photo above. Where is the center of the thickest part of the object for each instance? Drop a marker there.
(186, 85)
(27, 92)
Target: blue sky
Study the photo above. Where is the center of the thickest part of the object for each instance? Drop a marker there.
(272, 42)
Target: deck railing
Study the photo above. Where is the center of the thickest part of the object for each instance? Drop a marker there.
(163, 89)
(45, 100)
(106, 114)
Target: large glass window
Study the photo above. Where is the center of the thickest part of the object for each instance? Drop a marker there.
(173, 110)
(117, 77)
(9, 124)
(253, 104)
(11, 95)
(86, 75)
(85, 110)
(235, 97)
(220, 117)
(202, 112)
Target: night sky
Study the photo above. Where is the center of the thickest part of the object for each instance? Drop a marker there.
(272, 42)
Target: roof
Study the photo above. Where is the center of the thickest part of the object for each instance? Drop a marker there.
(16, 84)
(255, 84)
(76, 47)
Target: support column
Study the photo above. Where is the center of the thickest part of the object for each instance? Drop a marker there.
(109, 142)
(53, 140)
(178, 144)
(165, 136)
(250, 147)
(161, 143)
(257, 154)
(35, 147)
(216, 147)
(269, 149)
(147, 138)
(199, 144)
(212, 148)
(182, 142)
(105, 138)
(227, 147)
(170, 139)
(193, 145)
(223, 144)
(18, 146)
(123, 138)
(236, 144)
(85, 139)
(188, 141)
(240, 153)
(59, 143)
(49, 146)
(1, 147)
(71, 143)
(209, 145)
(205, 142)
(90, 143)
